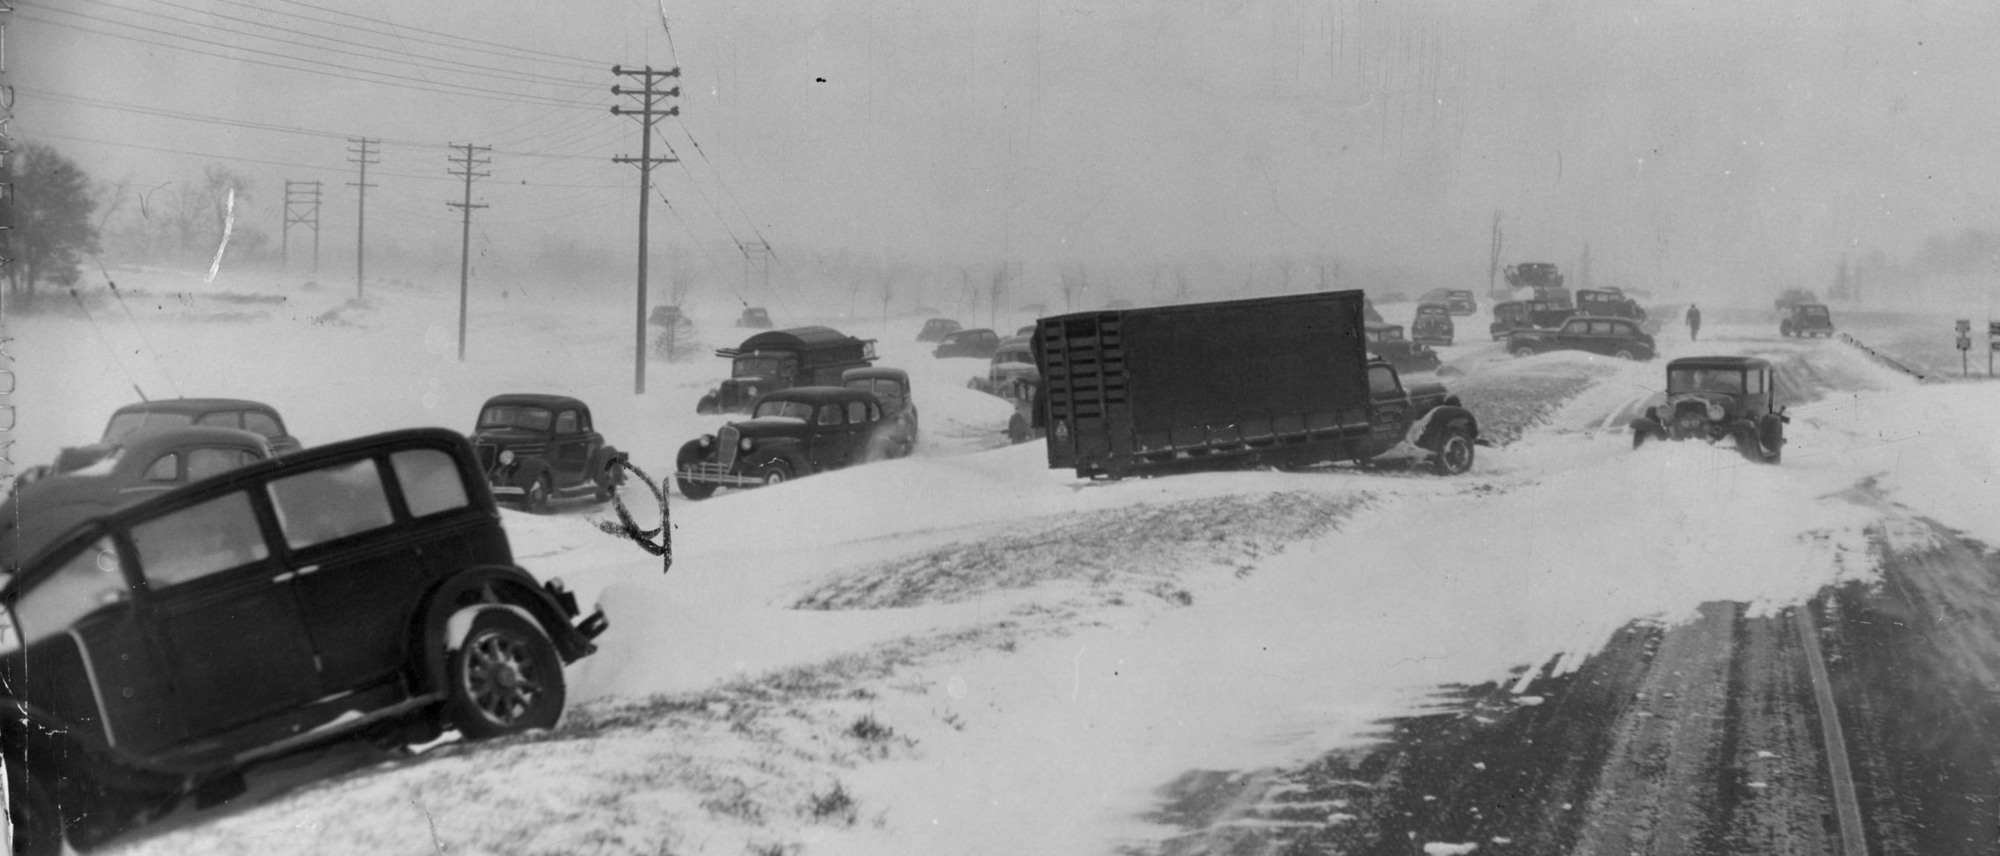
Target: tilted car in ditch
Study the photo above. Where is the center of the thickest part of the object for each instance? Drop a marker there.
(1612, 337)
(1713, 398)
(361, 590)
(1385, 341)
(538, 448)
(790, 434)
(901, 424)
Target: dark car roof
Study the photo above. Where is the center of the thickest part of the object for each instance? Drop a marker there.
(1496, 306)
(534, 399)
(971, 332)
(816, 395)
(941, 321)
(193, 406)
(1719, 362)
(1381, 325)
(794, 337)
(1808, 305)
(876, 371)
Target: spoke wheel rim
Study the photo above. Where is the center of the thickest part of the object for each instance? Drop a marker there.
(501, 677)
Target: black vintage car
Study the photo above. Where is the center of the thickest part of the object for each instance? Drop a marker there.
(790, 434)
(1508, 316)
(1612, 337)
(1385, 341)
(978, 342)
(899, 409)
(782, 359)
(1608, 303)
(754, 317)
(1461, 301)
(936, 329)
(1806, 319)
(144, 465)
(214, 412)
(537, 448)
(1710, 398)
(1432, 324)
(359, 590)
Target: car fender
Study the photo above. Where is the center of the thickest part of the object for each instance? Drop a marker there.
(1429, 430)
(480, 586)
(460, 623)
(604, 464)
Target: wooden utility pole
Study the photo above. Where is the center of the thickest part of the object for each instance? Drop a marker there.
(466, 161)
(363, 155)
(301, 209)
(649, 112)
(1493, 263)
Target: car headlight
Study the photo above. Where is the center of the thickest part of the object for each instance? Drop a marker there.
(706, 440)
(1715, 413)
(750, 390)
(506, 457)
(745, 444)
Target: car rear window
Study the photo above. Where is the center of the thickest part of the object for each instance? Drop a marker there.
(334, 502)
(199, 540)
(429, 479)
(262, 423)
(123, 424)
(86, 581)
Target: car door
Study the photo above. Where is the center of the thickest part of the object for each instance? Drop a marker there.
(830, 442)
(1391, 409)
(86, 657)
(221, 602)
(1575, 333)
(358, 575)
(569, 449)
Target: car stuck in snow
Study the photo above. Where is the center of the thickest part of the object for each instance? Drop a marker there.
(790, 434)
(361, 590)
(538, 448)
(1718, 397)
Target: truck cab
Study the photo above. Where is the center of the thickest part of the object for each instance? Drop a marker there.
(782, 359)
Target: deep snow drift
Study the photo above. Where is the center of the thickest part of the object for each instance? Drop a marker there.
(966, 652)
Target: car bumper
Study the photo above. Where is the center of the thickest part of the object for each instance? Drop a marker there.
(716, 474)
(590, 627)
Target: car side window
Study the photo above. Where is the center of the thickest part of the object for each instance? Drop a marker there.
(566, 422)
(1381, 380)
(166, 468)
(874, 413)
(262, 423)
(857, 413)
(1602, 328)
(829, 414)
(1576, 327)
(199, 540)
(202, 463)
(429, 479)
(318, 506)
(90, 579)
(222, 419)
(1756, 383)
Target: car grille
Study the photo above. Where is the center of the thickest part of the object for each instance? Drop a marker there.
(726, 439)
(487, 455)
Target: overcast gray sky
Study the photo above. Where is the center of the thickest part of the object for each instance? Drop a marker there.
(1717, 142)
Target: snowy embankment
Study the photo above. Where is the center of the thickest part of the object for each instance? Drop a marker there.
(965, 652)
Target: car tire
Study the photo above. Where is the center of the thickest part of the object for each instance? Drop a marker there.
(1455, 451)
(696, 491)
(539, 495)
(1626, 354)
(773, 473)
(609, 479)
(1524, 351)
(505, 678)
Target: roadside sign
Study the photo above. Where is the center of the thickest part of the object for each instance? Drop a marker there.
(1995, 343)
(1964, 343)
(1964, 325)
(1993, 328)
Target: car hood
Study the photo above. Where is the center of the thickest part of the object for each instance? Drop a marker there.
(510, 436)
(770, 426)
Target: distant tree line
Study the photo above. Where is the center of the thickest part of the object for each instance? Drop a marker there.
(48, 214)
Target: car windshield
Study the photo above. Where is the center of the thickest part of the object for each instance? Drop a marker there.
(1014, 356)
(123, 425)
(516, 416)
(1386, 334)
(783, 407)
(1705, 380)
(1813, 311)
(755, 366)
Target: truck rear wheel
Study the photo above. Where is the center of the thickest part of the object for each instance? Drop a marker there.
(1454, 452)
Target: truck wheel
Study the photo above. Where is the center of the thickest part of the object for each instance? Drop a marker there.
(1524, 351)
(505, 678)
(1454, 451)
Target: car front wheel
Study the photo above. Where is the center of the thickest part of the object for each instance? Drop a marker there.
(505, 678)
(1626, 354)
(1454, 453)
(773, 473)
(1524, 351)
(537, 499)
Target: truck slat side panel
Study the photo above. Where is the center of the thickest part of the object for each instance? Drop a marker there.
(1126, 388)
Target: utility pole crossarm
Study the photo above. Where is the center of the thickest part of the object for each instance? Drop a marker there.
(649, 112)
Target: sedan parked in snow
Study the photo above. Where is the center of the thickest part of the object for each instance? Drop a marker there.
(1612, 337)
(790, 434)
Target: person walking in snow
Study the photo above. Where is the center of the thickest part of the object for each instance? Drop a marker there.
(1694, 322)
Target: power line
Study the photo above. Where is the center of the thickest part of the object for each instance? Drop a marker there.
(510, 50)
(469, 91)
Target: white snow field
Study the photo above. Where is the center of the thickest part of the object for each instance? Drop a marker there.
(966, 652)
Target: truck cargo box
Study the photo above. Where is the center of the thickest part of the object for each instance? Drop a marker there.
(1125, 390)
